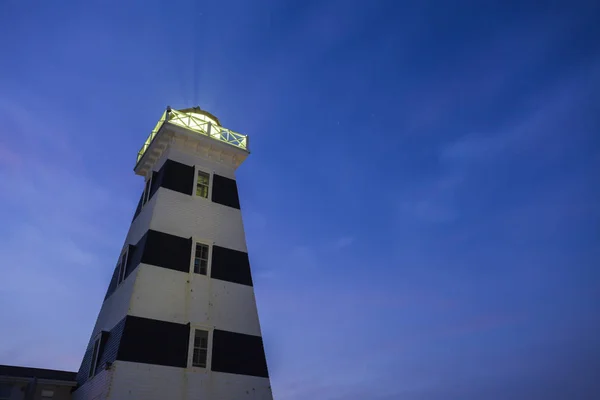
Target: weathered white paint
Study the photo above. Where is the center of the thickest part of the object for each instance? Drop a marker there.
(146, 381)
(160, 382)
(173, 296)
(159, 294)
(233, 307)
(141, 223)
(194, 216)
(175, 138)
(189, 156)
(115, 308)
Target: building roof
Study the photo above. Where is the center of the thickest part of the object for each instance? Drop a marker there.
(40, 373)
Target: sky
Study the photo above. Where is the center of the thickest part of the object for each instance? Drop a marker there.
(421, 205)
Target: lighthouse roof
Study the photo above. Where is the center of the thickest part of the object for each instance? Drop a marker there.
(198, 110)
(200, 122)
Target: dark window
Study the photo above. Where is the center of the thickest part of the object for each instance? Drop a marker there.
(201, 259)
(147, 191)
(202, 184)
(200, 348)
(122, 266)
(138, 209)
(94, 360)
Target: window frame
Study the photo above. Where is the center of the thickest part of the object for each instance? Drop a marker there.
(210, 244)
(190, 363)
(122, 264)
(95, 355)
(147, 190)
(197, 173)
(208, 256)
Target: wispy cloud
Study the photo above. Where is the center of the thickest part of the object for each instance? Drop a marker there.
(547, 117)
(343, 241)
(432, 201)
(474, 147)
(8, 157)
(481, 323)
(537, 133)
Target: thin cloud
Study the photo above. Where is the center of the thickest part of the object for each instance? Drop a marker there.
(433, 201)
(9, 158)
(343, 242)
(481, 323)
(548, 120)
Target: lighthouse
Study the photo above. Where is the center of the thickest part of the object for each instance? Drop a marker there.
(179, 319)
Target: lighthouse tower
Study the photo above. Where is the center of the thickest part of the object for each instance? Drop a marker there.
(179, 318)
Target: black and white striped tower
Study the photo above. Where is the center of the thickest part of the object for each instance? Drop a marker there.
(179, 319)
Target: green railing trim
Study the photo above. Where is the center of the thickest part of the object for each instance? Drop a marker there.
(198, 125)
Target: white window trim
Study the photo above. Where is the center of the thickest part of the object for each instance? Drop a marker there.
(94, 361)
(193, 329)
(210, 183)
(192, 258)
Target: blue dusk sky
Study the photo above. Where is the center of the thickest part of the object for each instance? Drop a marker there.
(421, 205)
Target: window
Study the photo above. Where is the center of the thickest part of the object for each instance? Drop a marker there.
(146, 196)
(47, 394)
(122, 266)
(201, 259)
(200, 348)
(94, 360)
(5, 391)
(202, 184)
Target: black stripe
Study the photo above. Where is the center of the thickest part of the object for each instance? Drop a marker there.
(167, 251)
(175, 176)
(112, 286)
(159, 249)
(225, 191)
(109, 344)
(230, 265)
(150, 341)
(134, 257)
(174, 252)
(178, 177)
(135, 254)
(138, 209)
(84, 369)
(156, 342)
(157, 178)
(236, 353)
(110, 347)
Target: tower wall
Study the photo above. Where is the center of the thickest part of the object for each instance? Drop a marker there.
(146, 324)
